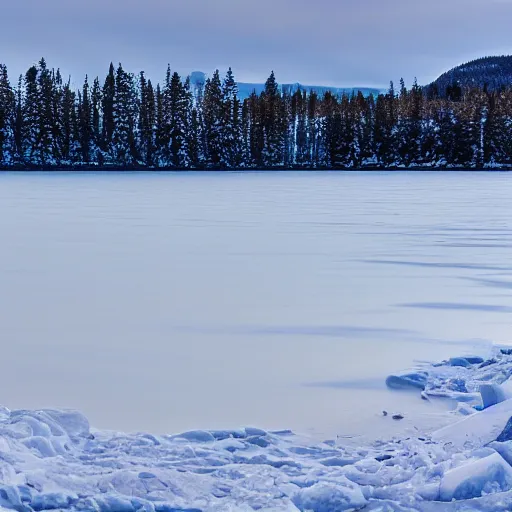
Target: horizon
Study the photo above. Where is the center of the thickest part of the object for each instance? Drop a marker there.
(77, 81)
(358, 44)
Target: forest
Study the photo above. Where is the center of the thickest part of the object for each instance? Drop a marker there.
(125, 122)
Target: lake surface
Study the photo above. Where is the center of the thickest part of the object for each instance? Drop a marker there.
(174, 301)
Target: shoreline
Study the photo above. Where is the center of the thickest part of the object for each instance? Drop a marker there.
(156, 170)
(52, 459)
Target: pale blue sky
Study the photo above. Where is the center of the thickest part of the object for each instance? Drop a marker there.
(331, 42)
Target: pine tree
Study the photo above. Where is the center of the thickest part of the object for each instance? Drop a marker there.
(46, 145)
(160, 129)
(86, 124)
(97, 135)
(496, 129)
(329, 105)
(200, 129)
(125, 119)
(56, 116)
(75, 147)
(164, 122)
(333, 138)
(232, 123)
(147, 121)
(256, 131)
(409, 124)
(385, 128)
(194, 139)
(273, 124)
(7, 119)
(179, 118)
(213, 112)
(109, 92)
(301, 130)
(444, 145)
(194, 125)
(19, 124)
(31, 116)
(346, 137)
(174, 127)
(68, 143)
(313, 130)
(364, 121)
(288, 137)
(245, 150)
(416, 122)
(468, 131)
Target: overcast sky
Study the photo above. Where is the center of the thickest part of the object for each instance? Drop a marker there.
(316, 42)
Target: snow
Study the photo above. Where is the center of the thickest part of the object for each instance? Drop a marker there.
(324, 497)
(472, 479)
(478, 429)
(54, 460)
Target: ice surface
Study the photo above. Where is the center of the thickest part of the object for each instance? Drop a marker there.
(478, 429)
(471, 480)
(493, 394)
(52, 460)
(411, 380)
(334, 497)
(312, 233)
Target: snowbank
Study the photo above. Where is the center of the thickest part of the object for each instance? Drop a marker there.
(52, 460)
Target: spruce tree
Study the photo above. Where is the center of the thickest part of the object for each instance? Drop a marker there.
(68, 143)
(245, 150)
(346, 137)
(19, 124)
(213, 112)
(180, 96)
(193, 139)
(160, 130)
(273, 124)
(86, 124)
(109, 92)
(332, 140)
(313, 130)
(232, 123)
(301, 130)
(147, 121)
(46, 145)
(97, 135)
(288, 137)
(31, 117)
(364, 112)
(256, 131)
(75, 146)
(56, 116)
(7, 119)
(125, 119)
(194, 126)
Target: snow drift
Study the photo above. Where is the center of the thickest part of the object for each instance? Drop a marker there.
(53, 460)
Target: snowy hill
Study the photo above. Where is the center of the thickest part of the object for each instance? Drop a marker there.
(493, 72)
(246, 89)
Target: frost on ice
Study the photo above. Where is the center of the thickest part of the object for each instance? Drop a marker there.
(52, 460)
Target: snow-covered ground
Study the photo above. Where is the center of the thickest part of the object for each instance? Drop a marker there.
(54, 460)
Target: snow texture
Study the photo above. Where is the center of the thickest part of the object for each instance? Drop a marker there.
(53, 460)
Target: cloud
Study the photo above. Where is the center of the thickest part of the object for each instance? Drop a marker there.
(337, 42)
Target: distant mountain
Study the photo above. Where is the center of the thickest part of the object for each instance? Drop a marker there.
(493, 72)
(246, 89)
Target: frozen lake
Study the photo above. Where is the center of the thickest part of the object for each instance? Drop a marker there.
(168, 302)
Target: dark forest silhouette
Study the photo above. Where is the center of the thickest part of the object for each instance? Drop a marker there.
(125, 122)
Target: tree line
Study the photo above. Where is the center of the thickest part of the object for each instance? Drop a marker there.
(125, 122)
